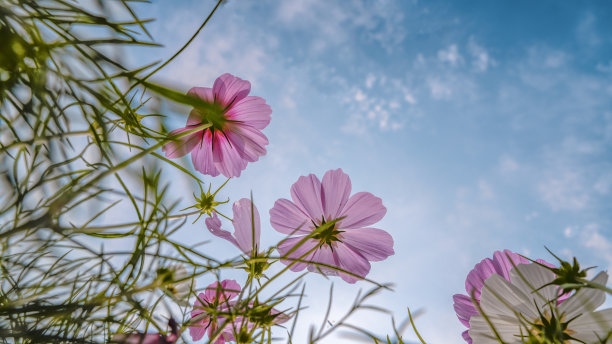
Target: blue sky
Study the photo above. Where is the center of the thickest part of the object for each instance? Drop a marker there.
(482, 125)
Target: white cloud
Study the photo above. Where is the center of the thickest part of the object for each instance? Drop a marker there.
(485, 190)
(568, 231)
(360, 96)
(508, 164)
(450, 55)
(603, 184)
(564, 191)
(370, 79)
(439, 89)
(332, 23)
(480, 56)
(586, 31)
(555, 59)
(605, 67)
(592, 238)
(532, 215)
(409, 98)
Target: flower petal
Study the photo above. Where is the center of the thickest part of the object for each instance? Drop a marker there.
(222, 291)
(204, 93)
(372, 243)
(476, 277)
(246, 225)
(361, 210)
(252, 142)
(226, 157)
(252, 111)
(585, 299)
(352, 262)
(197, 331)
(530, 278)
(505, 261)
(464, 308)
(306, 194)
(287, 218)
(202, 155)
(592, 327)
(181, 146)
(229, 89)
(466, 337)
(499, 297)
(336, 189)
(302, 252)
(324, 255)
(214, 226)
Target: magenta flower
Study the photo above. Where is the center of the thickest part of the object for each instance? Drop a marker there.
(220, 296)
(234, 138)
(246, 231)
(217, 296)
(349, 244)
(501, 264)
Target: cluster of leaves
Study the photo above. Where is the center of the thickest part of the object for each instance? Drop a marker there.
(68, 104)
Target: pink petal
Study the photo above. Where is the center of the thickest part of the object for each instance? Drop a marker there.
(351, 261)
(204, 93)
(197, 306)
(197, 331)
(324, 255)
(181, 146)
(372, 243)
(475, 278)
(287, 218)
(245, 230)
(214, 226)
(252, 111)
(303, 252)
(229, 89)
(306, 193)
(466, 337)
(202, 157)
(361, 210)
(222, 291)
(506, 261)
(464, 308)
(336, 189)
(226, 157)
(195, 118)
(253, 141)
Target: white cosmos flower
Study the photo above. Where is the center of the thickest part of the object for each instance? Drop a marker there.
(520, 309)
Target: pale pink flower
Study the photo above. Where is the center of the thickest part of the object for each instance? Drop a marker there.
(220, 296)
(246, 226)
(501, 264)
(217, 296)
(235, 137)
(350, 244)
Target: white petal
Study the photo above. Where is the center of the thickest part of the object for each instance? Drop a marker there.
(589, 327)
(586, 299)
(529, 278)
(500, 298)
(481, 333)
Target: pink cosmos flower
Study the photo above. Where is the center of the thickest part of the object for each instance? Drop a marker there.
(501, 264)
(220, 296)
(235, 137)
(246, 231)
(217, 296)
(349, 244)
